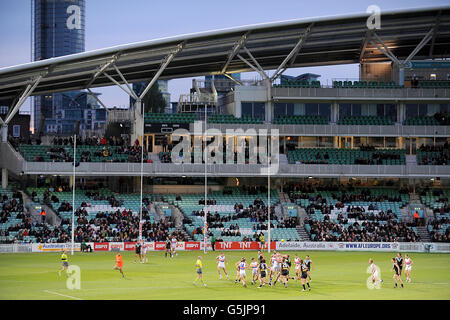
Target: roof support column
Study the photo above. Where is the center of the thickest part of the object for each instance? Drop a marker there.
(138, 106)
(292, 55)
(402, 64)
(26, 93)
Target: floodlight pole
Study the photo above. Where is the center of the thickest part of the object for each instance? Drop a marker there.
(73, 189)
(268, 192)
(205, 224)
(139, 103)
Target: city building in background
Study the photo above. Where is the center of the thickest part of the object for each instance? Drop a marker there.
(58, 29)
(163, 86)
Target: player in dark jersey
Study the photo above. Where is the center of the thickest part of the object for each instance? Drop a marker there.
(260, 256)
(304, 275)
(397, 276)
(137, 251)
(168, 248)
(284, 276)
(399, 259)
(262, 270)
(309, 264)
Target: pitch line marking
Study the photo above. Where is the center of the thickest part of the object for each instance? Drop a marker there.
(60, 294)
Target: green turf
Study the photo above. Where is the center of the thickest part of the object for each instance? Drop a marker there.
(337, 275)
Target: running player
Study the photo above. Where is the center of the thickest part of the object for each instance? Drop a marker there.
(199, 266)
(173, 247)
(309, 264)
(262, 271)
(304, 275)
(221, 260)
(297, 267)
(374, 272)
(237, 272)
(397, 273)
(119, 264)
(65, 263)
(399, 259)
(242, 274)
(254, 267)
(408, 267)
(167, 247)
(137, 253)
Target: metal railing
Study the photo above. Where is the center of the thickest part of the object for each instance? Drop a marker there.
(251, 170)
(360, 93)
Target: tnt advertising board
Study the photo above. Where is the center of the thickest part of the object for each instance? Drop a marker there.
(251, 245)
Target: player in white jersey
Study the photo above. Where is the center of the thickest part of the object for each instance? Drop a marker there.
(277, 268)
(273, 266)
(144, 252)
(297, 262)
(408, 267)
(221, 260)
(254, 266)
(374, 272)
(173, 246)
(242, 265)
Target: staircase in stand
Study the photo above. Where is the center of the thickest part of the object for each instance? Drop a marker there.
(424, 234)
(304, 236)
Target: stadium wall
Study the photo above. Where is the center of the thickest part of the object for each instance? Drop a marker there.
(226, 246)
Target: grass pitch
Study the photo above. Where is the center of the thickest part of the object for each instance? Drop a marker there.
(336, 275)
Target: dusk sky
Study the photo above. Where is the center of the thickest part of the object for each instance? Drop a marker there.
(115, 22)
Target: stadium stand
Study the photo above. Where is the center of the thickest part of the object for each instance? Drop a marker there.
(169, 117)
(366, 121)
(228, 118)
(88, 150)
(434, 155)
(354, 214)
(311, 119)
(299, 84)
(366, 84)
(346, 156)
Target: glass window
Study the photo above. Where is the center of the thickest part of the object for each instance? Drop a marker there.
(411, 111)
(380, 110)
(391, 142)
(311, 109)
(325, 110)
(279, 109)
(345, 110)
(16, 131)
(289, 109)
(356, 109)
(423, 110)
(391, 111)
(246, 109)
(259, 110)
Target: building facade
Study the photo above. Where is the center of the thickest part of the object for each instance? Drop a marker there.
(58, 30)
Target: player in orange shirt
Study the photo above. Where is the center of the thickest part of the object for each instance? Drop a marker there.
(119, 264)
